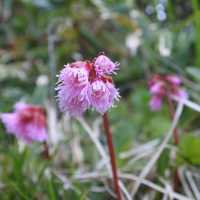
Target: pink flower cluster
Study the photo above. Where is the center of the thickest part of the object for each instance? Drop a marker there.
(87, 84)
(165, 86)
(27, 122)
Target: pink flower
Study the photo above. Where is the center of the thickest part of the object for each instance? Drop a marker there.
(155, 103)
(102, 95)
(157, 88)
(75, 105)
(113, 93)
(181, 93)
(27, 122)
(83, 85)
(73, 75)
(72, 80)
(174, 79)
(165, 86)
(103, 65)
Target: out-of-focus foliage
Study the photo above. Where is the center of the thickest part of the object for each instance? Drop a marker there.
(189, 149)
(37, 37)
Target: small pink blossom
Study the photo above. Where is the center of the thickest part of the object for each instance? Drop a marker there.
(113, 93)
(73, 75)
(84, 84)
(157, 88)
(104, 65)
(173, 79)
(161, 86)
(72, 80)
(102, 95)
(74, 105)
(181, 93)
(155, 103)
(27, 122)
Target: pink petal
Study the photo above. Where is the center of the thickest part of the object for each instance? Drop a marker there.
(155, 103)
(104, 65)
(20, 106)
(174, 79)
(10, 120)
(182, 94)
(36, 133)
(102, 95)
(156, 88)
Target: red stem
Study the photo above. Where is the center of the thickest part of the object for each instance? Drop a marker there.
(171, 111)
(176, 178)
(112, 155)
(45, 152)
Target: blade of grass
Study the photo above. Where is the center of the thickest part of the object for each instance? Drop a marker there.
(160, 149)
(102, 152)
(18, 190)
(51, 191)
(195, 6)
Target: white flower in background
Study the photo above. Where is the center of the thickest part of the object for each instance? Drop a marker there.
(165, 44)
(133, 41)
(42, 80)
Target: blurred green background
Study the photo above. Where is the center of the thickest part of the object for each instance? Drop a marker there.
(37, 37)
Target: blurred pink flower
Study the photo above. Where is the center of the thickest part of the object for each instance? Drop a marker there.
(161, 86)
(27, 122)
(104, 65)
(155, 103)
(173, 79)
(83, 85)
(157, 88)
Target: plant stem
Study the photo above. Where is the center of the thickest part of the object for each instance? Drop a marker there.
(45, 152)
(176, 179)
(112, 155)
(171, 111)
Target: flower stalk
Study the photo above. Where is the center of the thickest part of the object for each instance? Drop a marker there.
(112, 155)
(176, 179)
(171, 112)
(45, 152)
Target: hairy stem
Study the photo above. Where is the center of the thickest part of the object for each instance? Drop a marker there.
(112, 155)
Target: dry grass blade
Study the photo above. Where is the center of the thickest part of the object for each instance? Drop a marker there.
(156, 156)
(193, 184)
(167, 188)
(102, 152)
(98, 176)
(140, 149)
(155, 187)
(188, 103)
(184, 183)
(54, 135)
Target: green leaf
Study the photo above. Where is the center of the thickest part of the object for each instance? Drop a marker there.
(194, 72)
(163, 162)
(189, 149)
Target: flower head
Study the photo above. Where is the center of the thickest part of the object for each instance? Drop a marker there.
(102, 95)
(27, 122)
(86, 84)
(104, 65)
(155, 103)
(161, 86)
